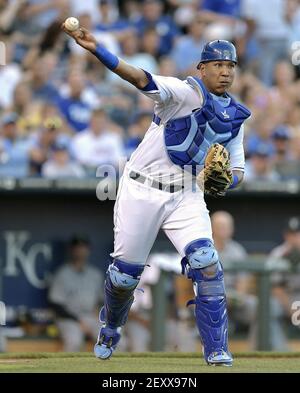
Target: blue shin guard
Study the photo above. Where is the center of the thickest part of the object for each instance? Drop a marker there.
(121, 281)
(203, 267)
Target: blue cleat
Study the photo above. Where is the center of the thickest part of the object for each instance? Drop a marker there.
(220, 358)
(107, 342)
(108, 339)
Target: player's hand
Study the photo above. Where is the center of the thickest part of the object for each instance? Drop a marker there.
(83, 38)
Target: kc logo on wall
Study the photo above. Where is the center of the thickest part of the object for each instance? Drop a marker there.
(26, 265)
(21, 256)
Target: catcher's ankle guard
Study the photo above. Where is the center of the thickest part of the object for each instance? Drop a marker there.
(107, 339)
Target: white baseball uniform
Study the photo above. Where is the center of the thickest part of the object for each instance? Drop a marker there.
(141, 210)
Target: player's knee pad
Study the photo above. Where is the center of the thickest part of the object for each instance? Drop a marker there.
(121, 281)
(203, 267)
(200, 254)
(124, 274)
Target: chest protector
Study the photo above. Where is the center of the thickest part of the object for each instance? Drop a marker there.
(188, 138)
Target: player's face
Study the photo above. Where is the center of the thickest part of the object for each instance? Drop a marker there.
(218, 75)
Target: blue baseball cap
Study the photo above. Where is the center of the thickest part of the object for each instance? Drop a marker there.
(60, 146)
(262, 150)
(281, 132)
(9, 118)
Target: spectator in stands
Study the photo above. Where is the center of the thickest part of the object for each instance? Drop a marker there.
(260, 135)
(41, 13)
(14, 149)
(167, 66)
(133, 55)
(75, 102)
(153, 17)
(293, 120)
(87, 6)
(284, 163)
(75, 294)
(230, 8)
(44, 66)
(42, 88)
(285, 87)
(44, 142)
(59, 165)
(223, 231)
(10, 76)
(223, 18)
(183, 11)
(151, 42)
(110, 19)
(109, 38)
(260, 166)
(51, 41)
(271, 32)
(286, 286)
(187, 48)
(293, 18)
(98, 144)
(137, 131)
(22, 96)
(295, 148)
(8, 12)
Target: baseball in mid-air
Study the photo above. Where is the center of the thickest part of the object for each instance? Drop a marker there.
(72, 24)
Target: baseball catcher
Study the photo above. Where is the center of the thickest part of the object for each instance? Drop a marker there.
(189, 117)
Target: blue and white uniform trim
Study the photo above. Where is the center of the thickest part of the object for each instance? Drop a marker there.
(151, 86)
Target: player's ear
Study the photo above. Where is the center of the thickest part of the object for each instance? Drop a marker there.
(201, 67)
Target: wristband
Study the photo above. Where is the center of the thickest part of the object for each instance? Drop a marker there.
(106, 57)
(235, 182)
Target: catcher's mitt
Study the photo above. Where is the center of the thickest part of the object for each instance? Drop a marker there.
(217, 173)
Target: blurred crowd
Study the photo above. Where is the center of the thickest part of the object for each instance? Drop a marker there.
(62, 114)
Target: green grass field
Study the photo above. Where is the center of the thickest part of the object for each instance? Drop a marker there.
(145, 363)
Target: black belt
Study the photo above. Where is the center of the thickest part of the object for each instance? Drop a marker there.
(154, 183)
